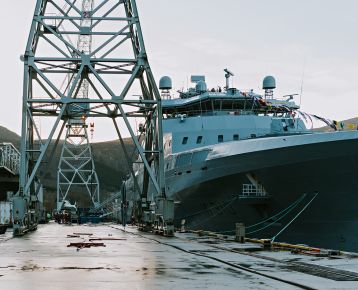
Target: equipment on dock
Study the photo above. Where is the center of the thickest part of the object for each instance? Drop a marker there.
(67, 213)
(110, 208)
(58, 75)
(5, 216)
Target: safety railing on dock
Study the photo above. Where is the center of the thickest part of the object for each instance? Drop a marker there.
(9, 158)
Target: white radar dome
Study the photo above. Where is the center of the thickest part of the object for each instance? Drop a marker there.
(165, 83)
(201, 87)
(269, 83)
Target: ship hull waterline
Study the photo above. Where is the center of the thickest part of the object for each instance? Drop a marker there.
(313, 186)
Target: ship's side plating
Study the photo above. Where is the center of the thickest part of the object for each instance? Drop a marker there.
(309, 182)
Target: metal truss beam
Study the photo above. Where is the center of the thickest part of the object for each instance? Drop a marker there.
(76, 169)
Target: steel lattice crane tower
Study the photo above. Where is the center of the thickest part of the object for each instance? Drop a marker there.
(76, 169)
(116, 69)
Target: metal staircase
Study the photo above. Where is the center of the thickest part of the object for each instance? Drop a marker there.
(9, 159)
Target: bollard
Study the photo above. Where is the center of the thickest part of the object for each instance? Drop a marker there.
(240, 233)
(267, 243)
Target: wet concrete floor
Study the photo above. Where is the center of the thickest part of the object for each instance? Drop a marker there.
(42, 260)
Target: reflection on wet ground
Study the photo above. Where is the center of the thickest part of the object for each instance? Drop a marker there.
(129, 260)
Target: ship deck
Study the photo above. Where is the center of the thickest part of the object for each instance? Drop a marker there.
(131, 259)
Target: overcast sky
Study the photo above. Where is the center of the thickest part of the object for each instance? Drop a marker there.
(313, 40)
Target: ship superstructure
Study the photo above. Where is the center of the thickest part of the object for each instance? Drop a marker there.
(201, 117)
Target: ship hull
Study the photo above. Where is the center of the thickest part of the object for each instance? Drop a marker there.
(313, 193)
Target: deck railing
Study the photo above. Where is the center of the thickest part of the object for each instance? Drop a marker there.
(253, 191)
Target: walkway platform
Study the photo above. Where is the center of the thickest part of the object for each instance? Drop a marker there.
(129, 259)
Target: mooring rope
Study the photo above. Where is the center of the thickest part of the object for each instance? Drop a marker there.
(281, 215)
(281, 212)
(297, 215)
(280, 218)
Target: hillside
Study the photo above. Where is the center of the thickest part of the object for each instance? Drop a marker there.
(109, 160)
(349, 124)
(9, 136)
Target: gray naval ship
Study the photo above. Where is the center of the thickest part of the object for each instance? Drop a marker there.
(233, 156)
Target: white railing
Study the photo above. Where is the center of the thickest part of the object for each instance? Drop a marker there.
(9, 158)
(252, 191)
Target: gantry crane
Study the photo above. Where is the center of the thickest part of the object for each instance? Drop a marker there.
(115, 69)
(76, 169)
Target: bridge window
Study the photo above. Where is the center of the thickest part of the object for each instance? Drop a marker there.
(220, 138)
(217, 105)
(235, 137)
(185, 140)
(199, 139)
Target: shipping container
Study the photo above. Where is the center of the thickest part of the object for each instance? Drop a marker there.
(5, 213)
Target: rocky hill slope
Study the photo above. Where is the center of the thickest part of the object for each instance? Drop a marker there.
(109, 160)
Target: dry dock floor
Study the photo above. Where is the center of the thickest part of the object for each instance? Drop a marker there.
(137, 260)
